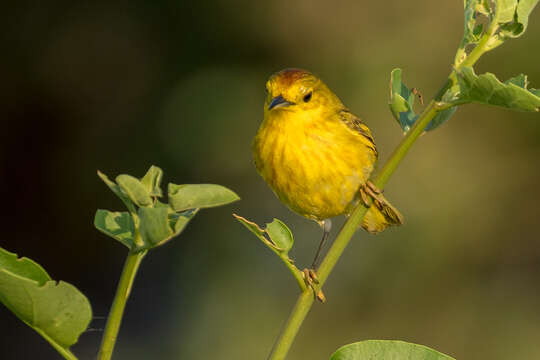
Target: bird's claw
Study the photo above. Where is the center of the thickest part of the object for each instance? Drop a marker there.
(369, 190)
(311, 279)
(373, 187)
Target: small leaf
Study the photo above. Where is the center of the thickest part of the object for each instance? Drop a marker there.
(471, 9)
(507, 19)
(280, 235)
(483, 8)
(117, 191)
(441, 118)
(251, 226)
(477, 32)
(277, 236)
(136, 191)
(387, 350)
(487, 89)
(118, 225)
(401, 101)
(505, 10)
(180, 220)
(154, 226)
(514, 17)
(520, 80)
(254, 228)
(57, 311)
(23, 267)
(194, 196)
(161, 224)
(524, 9)
(152, 181)
(510, 30)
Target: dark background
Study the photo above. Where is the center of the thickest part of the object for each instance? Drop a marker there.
(121, 86)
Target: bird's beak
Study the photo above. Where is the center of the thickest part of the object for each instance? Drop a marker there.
(278, 101)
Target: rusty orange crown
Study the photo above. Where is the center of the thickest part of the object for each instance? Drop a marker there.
(287, 77)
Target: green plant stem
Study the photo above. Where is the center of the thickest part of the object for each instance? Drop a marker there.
(298, 314)
(117, 310)
(294, 270)
(487, 42)
(306, 298)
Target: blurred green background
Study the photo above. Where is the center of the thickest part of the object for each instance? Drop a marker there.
(119, 86)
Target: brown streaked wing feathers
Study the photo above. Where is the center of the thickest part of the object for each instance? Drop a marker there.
(354, 123)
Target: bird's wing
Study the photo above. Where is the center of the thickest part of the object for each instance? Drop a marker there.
(355, 124)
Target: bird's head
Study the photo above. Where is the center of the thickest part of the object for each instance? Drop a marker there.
(297, 90)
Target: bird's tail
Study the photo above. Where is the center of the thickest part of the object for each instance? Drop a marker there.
(380, 217)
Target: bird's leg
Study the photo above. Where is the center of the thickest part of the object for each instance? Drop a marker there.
(326, 226)
(310, 275)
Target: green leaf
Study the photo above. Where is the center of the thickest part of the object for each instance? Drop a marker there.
(154, 226)
(196, 196)
(277, 236)
(280, 235)
(507, 19)
(118, 225)
(505, 10)
(402, 100)
(152, 181)
(387, 350)
(440, 118)
(255, 229)
(117, 191)
(472, 7)
(520, 80)
(484, 8)
(161, 224)
(23, 267)
(179, 221)
(487, 89)
(471, 30)
(477, 32)
(57, 311)
(514, 16)
(524, 9)
(134, 189)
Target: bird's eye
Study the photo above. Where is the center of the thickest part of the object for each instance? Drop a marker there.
(307, 97)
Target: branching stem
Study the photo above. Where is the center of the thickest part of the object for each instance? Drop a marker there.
(306, 298)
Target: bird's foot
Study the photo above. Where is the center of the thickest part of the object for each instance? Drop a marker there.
(374, 188)
(370, 190)
(311, 279)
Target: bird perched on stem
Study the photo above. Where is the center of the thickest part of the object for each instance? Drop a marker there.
(316, 155)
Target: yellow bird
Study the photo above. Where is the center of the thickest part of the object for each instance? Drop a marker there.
(316, 155)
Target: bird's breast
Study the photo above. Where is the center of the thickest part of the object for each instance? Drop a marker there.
(314, 166)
